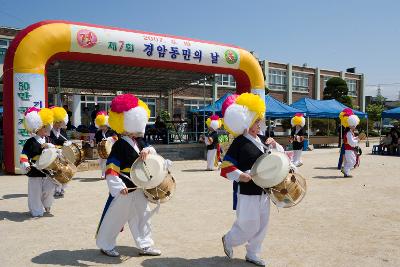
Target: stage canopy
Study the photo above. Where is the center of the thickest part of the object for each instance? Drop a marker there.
(323, 108)
(392, 113)
(275, 108)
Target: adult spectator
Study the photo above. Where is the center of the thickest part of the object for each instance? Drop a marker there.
(395, 140)
(69, 124)
(85, 118)
(94, 112)
(161, 129)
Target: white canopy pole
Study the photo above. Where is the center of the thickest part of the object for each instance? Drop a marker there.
(367, 142)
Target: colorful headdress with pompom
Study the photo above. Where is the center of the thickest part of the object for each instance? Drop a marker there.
(60, 115)
(214, 122)
(348, 118)
(101, 119)
(128, 114)
(241, 111)
(36, 118)
(298, 119)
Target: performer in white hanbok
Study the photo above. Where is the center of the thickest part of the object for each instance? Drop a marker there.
(126, 204)
(104, 132)
(41, 188)
(297, 138)
(58, 137)
(350, 141)
(242, 118)
(211, 140)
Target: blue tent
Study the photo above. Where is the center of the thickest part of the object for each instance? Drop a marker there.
(392, 113)
(216, 107)
(323, 108)
(277, 109)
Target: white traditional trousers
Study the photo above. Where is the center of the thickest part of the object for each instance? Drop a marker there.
(350, 160)
(60, 188)
(40, 194)
(252, 216)
(132, 209)
(297, 157)
(211, 154)
(102, 163)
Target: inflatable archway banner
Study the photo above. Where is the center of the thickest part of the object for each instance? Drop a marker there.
(25, 82)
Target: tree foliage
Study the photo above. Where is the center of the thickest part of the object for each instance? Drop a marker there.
(336, 88)
(375, 111)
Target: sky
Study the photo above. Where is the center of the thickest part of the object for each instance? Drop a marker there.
(328, 34)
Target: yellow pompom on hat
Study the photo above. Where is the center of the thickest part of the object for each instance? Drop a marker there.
(128, 114)
(241, 111)
(348, 118)
(60, 115)
(36, 118)
(298, 119)
(214, 122)
(101, 119)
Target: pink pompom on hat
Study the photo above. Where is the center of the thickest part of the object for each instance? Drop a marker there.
(228, 101)
(124, 103)
(128, 115)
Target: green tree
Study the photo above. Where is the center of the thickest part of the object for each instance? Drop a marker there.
(374, 111)
(336, 88)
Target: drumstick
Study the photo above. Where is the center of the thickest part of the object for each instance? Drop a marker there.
(129, 188)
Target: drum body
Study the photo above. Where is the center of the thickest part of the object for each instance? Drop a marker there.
(60, 169)
(270, 169)
(289, 192)
(162, 192)
(73, 153)
(104, 148)
(149, 173)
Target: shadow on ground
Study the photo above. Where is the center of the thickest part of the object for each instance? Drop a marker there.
(84, 257)
(88, 180)
(200, 262)
(328, 177)
(325, 168)
(9, 196)
(14, 216)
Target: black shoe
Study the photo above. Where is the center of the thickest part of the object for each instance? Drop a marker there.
(110, 253)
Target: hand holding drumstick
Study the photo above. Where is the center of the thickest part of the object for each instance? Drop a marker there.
(143, 154)
(245, 177)
(124, 191)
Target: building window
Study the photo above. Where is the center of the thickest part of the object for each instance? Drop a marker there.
(277, 79)
(151, 103)
(352, 85)
(104, 102)
(300, 82)
(4, 44)
(90, 101)
(225, 80)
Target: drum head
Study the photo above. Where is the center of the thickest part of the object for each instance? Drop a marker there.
(270, 169)
(69, 153)
(289, 192)
(149, 173)
(47, 157)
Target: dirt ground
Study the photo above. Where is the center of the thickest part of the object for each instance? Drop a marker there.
(341, 221)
